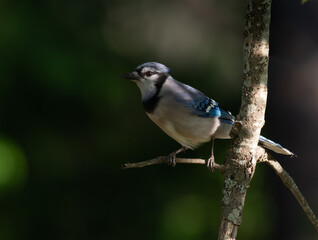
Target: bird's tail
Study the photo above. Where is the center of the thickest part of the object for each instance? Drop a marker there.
(275, 147)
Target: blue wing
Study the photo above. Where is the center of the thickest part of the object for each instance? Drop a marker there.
(203, 106)
(207, 107)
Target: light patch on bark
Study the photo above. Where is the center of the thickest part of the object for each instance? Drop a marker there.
(262, 51)
(241, 160)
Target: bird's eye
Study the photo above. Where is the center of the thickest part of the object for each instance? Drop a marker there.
(149, 73)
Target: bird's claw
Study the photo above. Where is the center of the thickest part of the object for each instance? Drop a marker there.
(210, 163)
(172, 160)
(172, 156)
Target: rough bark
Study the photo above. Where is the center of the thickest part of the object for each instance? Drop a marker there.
(240, 161)
(261, 156)
(243, 154)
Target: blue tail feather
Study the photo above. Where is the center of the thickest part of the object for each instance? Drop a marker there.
(275, 147)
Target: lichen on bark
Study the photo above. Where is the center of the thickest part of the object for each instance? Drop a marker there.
(240, 160)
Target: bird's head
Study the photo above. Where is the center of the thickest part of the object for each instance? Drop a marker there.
(149, 77)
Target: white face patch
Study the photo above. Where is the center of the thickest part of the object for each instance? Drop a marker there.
(150, 81)
(146, 86)
(146, 69)
(147, 83)
(149, 73)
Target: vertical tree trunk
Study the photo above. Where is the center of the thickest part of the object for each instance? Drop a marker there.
(240, 161)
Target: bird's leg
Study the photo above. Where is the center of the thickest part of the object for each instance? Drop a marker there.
(210, 162)
(172, 156)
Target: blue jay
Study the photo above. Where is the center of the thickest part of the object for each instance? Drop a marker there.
(183, 112)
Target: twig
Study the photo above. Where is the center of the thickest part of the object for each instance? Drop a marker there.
(291, 185)
(261, 156)
(165, 159)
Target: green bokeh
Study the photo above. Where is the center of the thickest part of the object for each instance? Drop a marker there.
(70, 121)
(186, 217)
(13, 166)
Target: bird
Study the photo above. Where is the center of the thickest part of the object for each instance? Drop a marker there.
(184, 113)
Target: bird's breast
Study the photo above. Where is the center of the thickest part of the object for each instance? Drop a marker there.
(182, 125)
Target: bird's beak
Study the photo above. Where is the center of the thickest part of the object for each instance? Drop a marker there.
(131, 76)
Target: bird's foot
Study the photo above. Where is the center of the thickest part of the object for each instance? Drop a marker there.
(172, 156)
(172, 159)
(210, 163)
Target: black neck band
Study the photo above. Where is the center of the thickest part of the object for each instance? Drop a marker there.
(151, 103)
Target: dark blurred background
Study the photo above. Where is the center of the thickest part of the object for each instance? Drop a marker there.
(67, 121)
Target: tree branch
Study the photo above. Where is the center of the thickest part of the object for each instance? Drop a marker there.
(240, 162)
(165, 160)
(244, 153)
(261, 156)
(291, 185)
